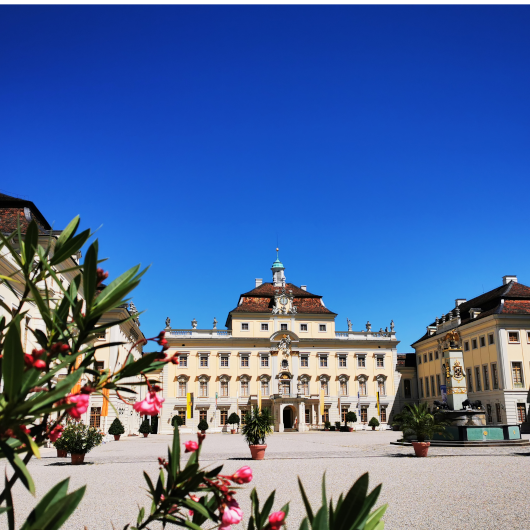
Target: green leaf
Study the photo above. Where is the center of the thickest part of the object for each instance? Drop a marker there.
(285, 509)
(30, 244)
(174, 454)
(71, 247)
(13, 361)
(374, 521)
(307, 504)
(149, 484)
(67, 233)
(304, 525)
(90, 275)
(18, 466)
(136, 367)
(353, 504)
(140, 516)
(10, 508)
(266, 510)
(191, 525)
(255, 506)
(192, 505)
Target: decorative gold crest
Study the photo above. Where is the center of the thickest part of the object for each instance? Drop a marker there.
(458, 372)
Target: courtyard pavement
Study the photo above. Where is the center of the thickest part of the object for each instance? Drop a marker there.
(459, 488)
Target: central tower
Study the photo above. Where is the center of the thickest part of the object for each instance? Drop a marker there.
(278, 276)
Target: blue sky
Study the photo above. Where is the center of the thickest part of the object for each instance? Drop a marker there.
(386, 147)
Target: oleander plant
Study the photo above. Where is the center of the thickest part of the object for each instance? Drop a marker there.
(36, 404)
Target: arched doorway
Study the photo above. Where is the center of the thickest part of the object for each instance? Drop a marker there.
(287, 418)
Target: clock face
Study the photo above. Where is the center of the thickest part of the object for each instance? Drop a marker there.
(283, 300)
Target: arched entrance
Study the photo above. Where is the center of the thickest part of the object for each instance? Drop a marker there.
(287, 418)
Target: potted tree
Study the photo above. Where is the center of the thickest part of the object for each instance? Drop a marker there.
(60, 445)
(177, 421)
(203, 426)
(417, 420)
(327, 425)
(234, 420)
(374, 422)
(258, 425)
(145, 428)
(116, 428)
(80, 439)
(351, 417)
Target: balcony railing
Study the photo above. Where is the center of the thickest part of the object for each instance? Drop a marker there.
(200, 333)
(365, 335)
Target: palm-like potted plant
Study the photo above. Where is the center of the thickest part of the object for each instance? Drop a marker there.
(234, 420)
(417, 420)
(60, 445)
(374, 422)
(116, 428)
(79, 439)
(327, 425)
(203, 426)
(258, 425)
(145, 428)
(177, 421)
(351, 417)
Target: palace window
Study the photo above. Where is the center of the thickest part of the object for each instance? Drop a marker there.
(264, 388)
(182, 415)
(285, 388)
(430, 356)
(424, 357)
(485, 373)
(478, 383)
(203, 415)
(323, 361)
(364, 413)
(244, 388)
(182, 389)
(421, 387)
(469, 380)
(322, 327)
(264, 361)
(303, 327)
(521, 412)
(283, 327)
(183, 361)
(325, 387)
(427, 394)
(419, 359)
(517, 375)
(474, 344)
(203, 389)
(498, 412)
(224, 388)
(100, 335)
(482, 342)
(380, 361)
(224, 361)
(361, 361)
(325, 416)
(343, 412)
(95, 417)
(224, 417)
(381, 387)
(204, 361)
(513, 337)
(362, 387)
(491, 340)
(264, 327)
(304, 361)
(343, 389)
(342, 361)
(407, 388)
(436, 354)
(466, 346)
(438, 389)
(528, 337)
(433, 388)
(383, 413)
(244, 361)
(494, 376)
(489, 413)
(305, 387)
(307, 416)
(244, 326)
(99, 366)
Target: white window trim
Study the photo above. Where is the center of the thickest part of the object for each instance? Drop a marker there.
(184, 354)
(304, 330)
(264, 324)
(246, 324)
(201, 355)
(508, 331)
(284, 324)
(528, 337)
(325, 330)
(221, 355)
(261, 355)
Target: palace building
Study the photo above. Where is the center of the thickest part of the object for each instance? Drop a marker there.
(280, 350)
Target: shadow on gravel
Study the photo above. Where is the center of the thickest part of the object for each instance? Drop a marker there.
(239, 458)
(70, 464)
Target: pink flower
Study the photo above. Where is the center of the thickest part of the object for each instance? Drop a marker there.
(231, 515)
(80, 402)
(243, 475)
(56, 433)
(276, 520)
(191, 446)
(151, 405)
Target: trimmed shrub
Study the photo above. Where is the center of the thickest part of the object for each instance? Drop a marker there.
(116, 427)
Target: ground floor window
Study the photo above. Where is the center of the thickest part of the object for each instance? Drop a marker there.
(521, 412)
(498, 412)
(224, 417)
(244, 413)
(325, 416)
(489, 412)
(364, 413)
(308, 416)
(343, 412)
(203, 415)
(95, 417)
(383, 414)
(182, 415)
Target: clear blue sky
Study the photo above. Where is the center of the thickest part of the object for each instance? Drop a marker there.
(388, 149)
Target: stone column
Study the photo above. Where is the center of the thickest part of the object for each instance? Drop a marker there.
(301, 417)
(455, 378)
(280, 419)
(274, 372)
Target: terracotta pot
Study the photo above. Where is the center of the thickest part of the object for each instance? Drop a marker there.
(326, 429)
(257, 451)
(117, 437)
(203, 432)
(421, 448)
(146, 434)
(77, 458)
(350, 429)
(373, 428)
(232, 431)
(62, 453)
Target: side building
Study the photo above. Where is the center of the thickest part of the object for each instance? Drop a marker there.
(494, 333)
(280, 349)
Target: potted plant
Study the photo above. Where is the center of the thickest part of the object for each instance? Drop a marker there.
(177, 421)
(116, 428)
(258, 425)
(60, 445)
(351, 417)
(234, 420)
(203, 426)
(145, 428)
(337, 425)
(327, 425)
(417, 420)
(374, 422)
(79, 439)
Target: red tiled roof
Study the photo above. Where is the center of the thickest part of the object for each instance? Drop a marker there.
(12, 209)
(268, 289)
(516, 307)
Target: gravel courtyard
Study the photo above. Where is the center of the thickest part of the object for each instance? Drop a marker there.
(457, 488)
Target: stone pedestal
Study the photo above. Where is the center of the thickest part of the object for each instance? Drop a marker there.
(455, 378)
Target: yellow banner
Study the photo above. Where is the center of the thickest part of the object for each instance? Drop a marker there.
(189, 403)
(105, 405)
(378, 408)
(321, 402)
(77, 387)
(259, 394)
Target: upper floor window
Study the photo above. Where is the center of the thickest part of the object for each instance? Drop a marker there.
(264, 388)
(264, 361)
(424, 357)
(325, 387)
(204, 361)
(322, 327)
(380, 361)
(244, 388)
(430, 356)
(494, 376)
(203, 389)
(244, 326)
(99, 365)
(466, 346)
(183, 361)
(381, 387)
(182, 389)
(407, 389)
(362, 387)
(264, 327)
(490, 339)
(474, 343)
(303, 327)
(283, 327)
(224, 388)
(478, 383)
(323, 361)
(517, 375)
(436, 354)
(304, 361)
(361, 361)
(244, 360)
(343, 390)
(305, 387)
(485, 374)
(528, 336)
(513, 336)
(469, 380)
(342, 361)
(224, 361)
(419, 359)
(482, 341)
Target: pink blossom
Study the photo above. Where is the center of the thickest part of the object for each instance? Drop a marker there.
(81, 404)
(56, 433)
(231, 515)
(191, 446)
(276, 520)
(243, 475)
(151, 405)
